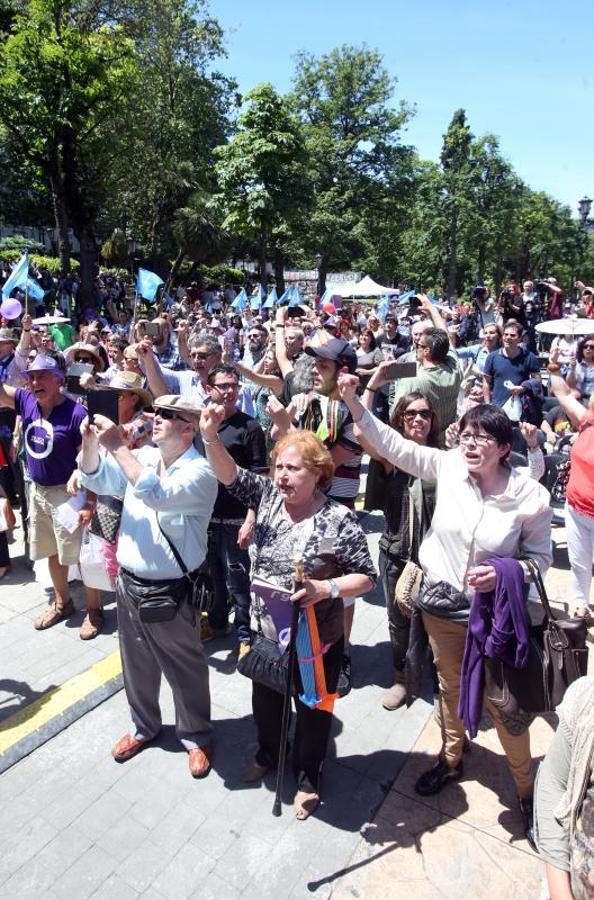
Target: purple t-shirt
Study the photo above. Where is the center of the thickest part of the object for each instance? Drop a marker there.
(50, 444)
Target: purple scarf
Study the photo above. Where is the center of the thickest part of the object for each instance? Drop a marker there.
(498, 628)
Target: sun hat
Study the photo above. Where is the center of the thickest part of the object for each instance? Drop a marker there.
(131, 381)
(81, 347)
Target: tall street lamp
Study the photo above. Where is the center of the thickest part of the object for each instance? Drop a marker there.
(584, 207)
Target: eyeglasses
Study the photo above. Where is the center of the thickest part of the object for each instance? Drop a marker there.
(479, 439)
(410, 414)
(588, 347)
(196, 355)
(169, 414)
(226, 387)
(253, 337)
(133, 359)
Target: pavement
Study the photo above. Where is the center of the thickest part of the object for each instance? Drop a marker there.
(75, 824)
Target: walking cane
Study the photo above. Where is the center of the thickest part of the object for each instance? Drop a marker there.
(280, 775)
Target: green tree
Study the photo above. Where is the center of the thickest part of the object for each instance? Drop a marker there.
(65, 72)
(262, 171)
(198, 233)
(352, 136)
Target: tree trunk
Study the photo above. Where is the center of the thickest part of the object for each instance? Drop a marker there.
(279, 270)
(262, 260)
(88, 267)
(322, 272)
(61, 217)
(175, 269)
(481, 264)
(452, 257)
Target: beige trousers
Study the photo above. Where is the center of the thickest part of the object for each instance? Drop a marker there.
(447, 641)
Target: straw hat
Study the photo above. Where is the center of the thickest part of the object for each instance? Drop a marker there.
(131, 381)
(80, 347)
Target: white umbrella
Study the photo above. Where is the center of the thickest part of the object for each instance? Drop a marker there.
(568, 325)
(49, 320)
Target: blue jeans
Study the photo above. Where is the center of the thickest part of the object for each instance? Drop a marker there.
(229, 569)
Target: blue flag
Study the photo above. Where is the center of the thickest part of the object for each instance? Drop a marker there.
(295, 297)
(35, 290)
(404, 298)
(257, 297)
(271, 299)
(169, 301)
(285, 297)
(148, 284)
(240, 302)
(18, 276)
(382, 309)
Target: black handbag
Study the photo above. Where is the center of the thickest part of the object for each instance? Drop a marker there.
(265, 663)
(557, 656)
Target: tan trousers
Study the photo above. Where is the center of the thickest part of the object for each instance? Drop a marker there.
(447, 641)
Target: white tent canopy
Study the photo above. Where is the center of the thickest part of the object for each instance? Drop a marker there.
(367, 287)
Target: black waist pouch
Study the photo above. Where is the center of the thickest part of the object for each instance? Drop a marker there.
(156, 601)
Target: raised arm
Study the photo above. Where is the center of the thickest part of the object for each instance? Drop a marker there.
(223, 465)
(156, 380)
(282, 359)
(571, 405)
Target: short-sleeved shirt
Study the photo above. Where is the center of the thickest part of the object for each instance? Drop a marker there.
(558, 420)
(501, 368)
(581, 475)
(336, 546)
(243, 439)
(50, 444)
(584, 379)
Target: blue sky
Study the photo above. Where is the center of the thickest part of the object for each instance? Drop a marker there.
(523, 70)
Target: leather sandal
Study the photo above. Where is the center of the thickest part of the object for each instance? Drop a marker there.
(305, 804)
(54, 614)
(92, 625)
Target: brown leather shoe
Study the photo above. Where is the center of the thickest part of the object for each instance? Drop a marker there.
(54, 614)
(92, 625)
(199, 762)
(126, 748)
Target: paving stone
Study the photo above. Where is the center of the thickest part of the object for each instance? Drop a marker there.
(123, 838)
(87, 874)
(143, 865)
(247, 860)
(183, 876)
(109, 809)
(22, 845)
(115, 889)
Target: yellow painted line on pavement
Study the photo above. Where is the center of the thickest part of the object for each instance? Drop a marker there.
(57, 701)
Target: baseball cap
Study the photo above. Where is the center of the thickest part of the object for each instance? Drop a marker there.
(185, 406)
(336, 349)
(45, 364)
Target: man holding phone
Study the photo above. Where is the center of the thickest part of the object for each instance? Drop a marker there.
(169, 492)
(52, 438)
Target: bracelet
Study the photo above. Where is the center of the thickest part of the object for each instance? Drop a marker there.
(216, 441)
(553, 367)
(367, 388)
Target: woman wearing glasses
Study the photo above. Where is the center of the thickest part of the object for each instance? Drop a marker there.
(581, 373)
(483, 509)
(407, 503)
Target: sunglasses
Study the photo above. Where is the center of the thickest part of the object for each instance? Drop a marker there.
(200, 355)
(168, 414)
(588, 347)
(84, 359)
(425, 414)
(226, 387)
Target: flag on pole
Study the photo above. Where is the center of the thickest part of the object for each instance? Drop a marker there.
(257, 297)
(240, 302)
(34, 289)
(18, 276)
(295, 296)
(148, 284)
(284, 298)
(271, 299)
(382, 308)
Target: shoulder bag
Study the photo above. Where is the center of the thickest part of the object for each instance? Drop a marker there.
(557, 656)
(408, 586)
(160, 601)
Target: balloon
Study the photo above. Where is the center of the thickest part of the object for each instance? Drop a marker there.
(11, 308)
(329, 308)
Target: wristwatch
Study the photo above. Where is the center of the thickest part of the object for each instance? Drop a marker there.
(334, 589)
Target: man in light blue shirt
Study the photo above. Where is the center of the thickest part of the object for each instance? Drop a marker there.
(167, 488)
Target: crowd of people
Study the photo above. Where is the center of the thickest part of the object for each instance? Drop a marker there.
(203, 448)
